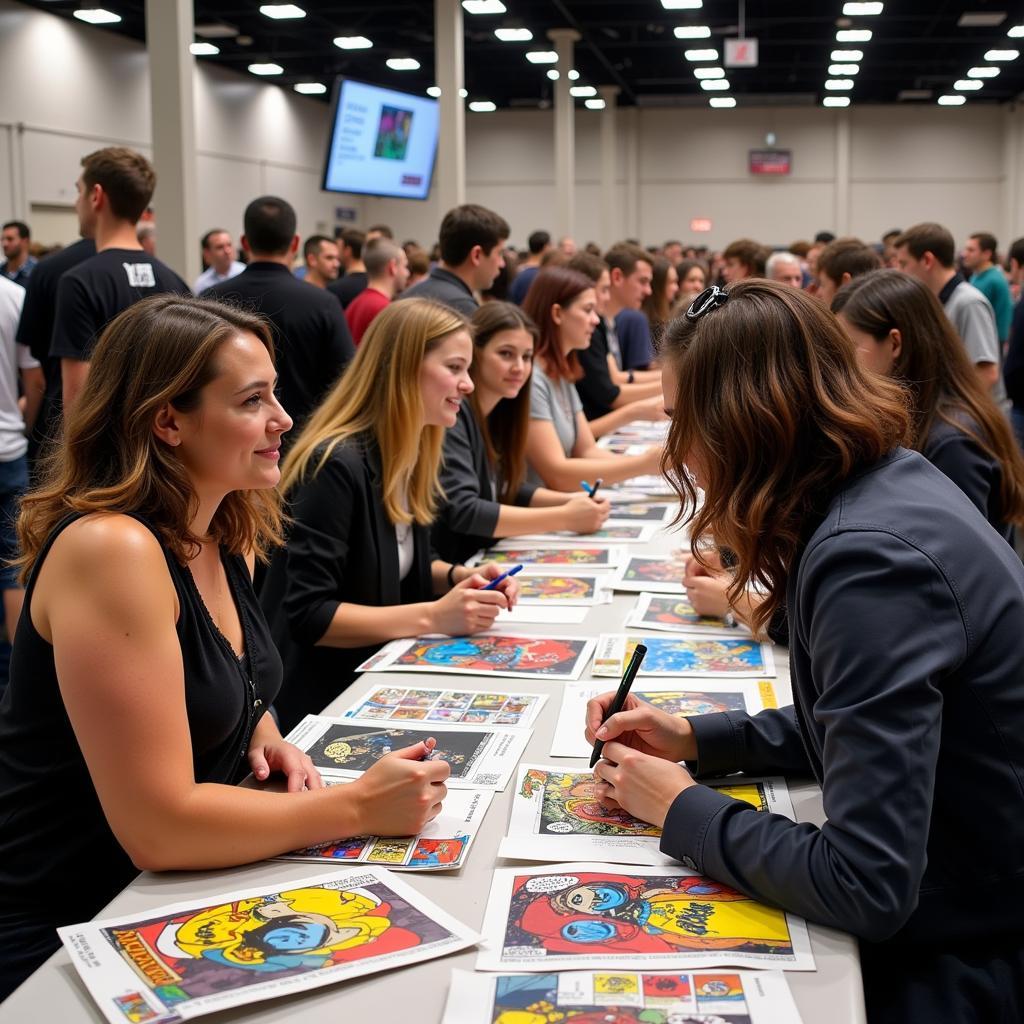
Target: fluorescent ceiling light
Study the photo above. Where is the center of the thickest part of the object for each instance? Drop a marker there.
(582, 90)
(855, 55)
(838, 84)
(1002, 55)
(482, 106)
(982, 72)
(843, 69)
(434, 90)
(682, 5)
(722, 101)
(853, 35)
(463, 93)
(483, 6)
(715, 84)
(282, 11)
(573, 75)
(709, 72)
(693, 32)
(952, 101)
(542, 57)
(862, 8)
(553, 74)
(1017, 32)
(311, 88)
(353, 43)
(699, 55)
(968, 84)
(266, 69)
(597, 104)
(836, 101)
(403, 63)
(514, 35)
(981, 19)
(203, 49)
(97, 16)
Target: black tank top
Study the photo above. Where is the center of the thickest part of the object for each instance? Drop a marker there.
(59, 860)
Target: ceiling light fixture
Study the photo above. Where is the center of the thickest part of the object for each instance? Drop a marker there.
(968, 84)
(597, 104)
(266, 69)
(553, 74)
(573, 75)
(722, 102)
(281, 12)
(1017, 32)
(982, 72)
(97, 16)
(1002, 55)
(843, 69)
(434, 90)
(310, 88)
(698, 55)
(353, 43)
(403, 64)
(483, 6)
(838, 84)
(580, 91)
(951, 101)
(542, 57)
(692, 32)
(836, 101)
(709, 72)
(514, 35)
(203, 49)
(862, 8)
(482, 107)
(981, 19)
(715, 84)
(853, 35)
(841, 55)
(682, 5)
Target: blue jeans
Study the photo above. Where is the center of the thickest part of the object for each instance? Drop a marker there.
(13, 484)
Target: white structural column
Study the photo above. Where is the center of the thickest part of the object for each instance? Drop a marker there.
(609, 165)
(449, 64)
(1011, 205)
(842, 209)
(172, 105)
(631, 140)
(565, 132)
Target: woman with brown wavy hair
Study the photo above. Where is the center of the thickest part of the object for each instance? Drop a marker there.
(905, 616)
(142, 668)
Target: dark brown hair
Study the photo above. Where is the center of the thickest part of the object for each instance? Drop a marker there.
(777, 413)
(986, 242)
(934, 367)
(468, 226)
(625, 256)
(554, 286)
(847, 256)
(928, 237)
(126, 177)
(751, 254)
(505, 429)
(588, 264)
(656, 306)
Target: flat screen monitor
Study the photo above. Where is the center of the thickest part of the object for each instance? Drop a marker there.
(382, 143)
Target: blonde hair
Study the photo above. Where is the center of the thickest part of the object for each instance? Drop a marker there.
(379, 394)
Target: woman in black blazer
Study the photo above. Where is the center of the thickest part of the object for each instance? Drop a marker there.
(362, 480)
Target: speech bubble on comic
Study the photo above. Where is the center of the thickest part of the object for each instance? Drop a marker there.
(551, 883)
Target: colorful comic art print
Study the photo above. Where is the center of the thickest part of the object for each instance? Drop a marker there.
(237, 948)
(619, 532)
(558, 815)
(582, 915)
(714, 657)
(680, 697)
(452, 707)
(620, 997)
(489, 654)
(480, 757)
(569, 589)
(443, 845)
(675, 614)
(643, 512)
(576, 557)
(654, 574)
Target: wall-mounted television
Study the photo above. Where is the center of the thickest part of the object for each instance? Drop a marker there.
(383, 142)
(771, 161)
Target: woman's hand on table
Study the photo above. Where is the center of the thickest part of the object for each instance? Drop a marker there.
(641, 784)
(399, 794)
(274, 754)
(642, 727)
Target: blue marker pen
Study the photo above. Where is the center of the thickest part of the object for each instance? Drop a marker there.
(494, 583)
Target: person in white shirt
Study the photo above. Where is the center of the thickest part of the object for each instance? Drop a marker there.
(219, 257)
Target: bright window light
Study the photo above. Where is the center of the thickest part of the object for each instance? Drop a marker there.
(723, 102)
(1002, 55)
(715, 84)
(353, 43)
(282, 11)
(266, 69)
(982, 72)
(843, 69)
(836, 101)
(968, 84)
(709, 72)
(514, 35)
(1017, 32)
(693, 32)
(483, 6)
(838, 84)
(553, 74)
(434, 90)
(862, 8)
(542, 57)
(403, 64)
(855, 55)
(853, 35)
(97, 16)
(700, 55)
(311, 88)
(682, 5)
(596, 104)
(203, 49)
(952, 101)
(482, 106)
(580, 91)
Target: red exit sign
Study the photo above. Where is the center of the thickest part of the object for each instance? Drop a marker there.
(771, 161)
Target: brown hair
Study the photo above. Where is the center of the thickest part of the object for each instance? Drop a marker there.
(934, 366)
(160, 350)
(126, 177)
(656, 306)
(847, 256)
(772, 403)
(928, 237)
(504, 430)
(554, 286)
(588, 264)
(751, 254)
(625, 256)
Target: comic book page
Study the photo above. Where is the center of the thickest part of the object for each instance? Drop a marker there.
(581, 916)
(540, 615)
(621, 997)
(697, 657)
(557, 815)
(443, 845)
(684, 698)
(569, 588)
(661, 574)
(448, 706)
(505, 655)
(629, 511)
(180, 961)
(613, 530)
(673, 613)
(482, 757)
(581, 556)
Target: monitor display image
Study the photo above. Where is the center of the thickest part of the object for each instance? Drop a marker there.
(382, 142)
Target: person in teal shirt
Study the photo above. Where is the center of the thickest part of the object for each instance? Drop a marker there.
(979, 258)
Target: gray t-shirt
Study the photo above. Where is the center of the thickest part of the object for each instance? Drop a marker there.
(557, 402)
(972, 316)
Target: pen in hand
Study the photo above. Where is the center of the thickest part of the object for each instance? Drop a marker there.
(591, 491)
(504, 576)
(639, 652)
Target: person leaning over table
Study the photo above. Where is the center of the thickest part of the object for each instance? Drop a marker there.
(143, 668)
(484, 468)
(362, 482)
(905, 614)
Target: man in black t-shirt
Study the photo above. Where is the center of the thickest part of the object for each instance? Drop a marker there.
(114, 189)
(312, 342)
(353, 278)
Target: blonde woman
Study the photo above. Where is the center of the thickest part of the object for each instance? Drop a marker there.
(363, 485)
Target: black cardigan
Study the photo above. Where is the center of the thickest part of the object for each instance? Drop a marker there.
(341, 547)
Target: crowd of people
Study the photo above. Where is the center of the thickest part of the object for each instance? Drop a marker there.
(216, 501)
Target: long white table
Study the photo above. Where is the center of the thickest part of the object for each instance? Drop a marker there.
(54, 993)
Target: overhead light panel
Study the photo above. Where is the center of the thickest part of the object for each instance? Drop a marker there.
(1002, 55)
(838, 84)
(483, 6)
(968, 84)
(203, 49)
(982, 72)
(836, 101)
(843, 69)
(403, 63)
(542, 57)
(553, 74)
(573, 75)
(580, 91)
(281, 12)
(595, 104)
(981, 19)
(482, 107)
(266, 69)
(434, 90)
(692, 32)
(463, 94)
(696, 56)
(353, 43)
(310, 88)
(682, 5)
(514, 35)
(97, 16)
(1017, 32)
(853, 35)
(951, 101)
(842, 55)
(722, 102)
(715, 84)
(709, 72)
(862, 8)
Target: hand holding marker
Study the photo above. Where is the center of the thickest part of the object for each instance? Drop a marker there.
(639, 652)
(591, 491)
(493, 585)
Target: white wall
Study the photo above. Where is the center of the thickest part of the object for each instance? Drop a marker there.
(67, 88)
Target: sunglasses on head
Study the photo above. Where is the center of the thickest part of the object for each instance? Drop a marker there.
(711, 298)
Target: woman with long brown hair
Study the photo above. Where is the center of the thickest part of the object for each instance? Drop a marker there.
(657, 306)
(905, 615)
(483, 474)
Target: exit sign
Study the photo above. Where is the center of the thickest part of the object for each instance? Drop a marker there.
(700, 224)
(741, 53)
